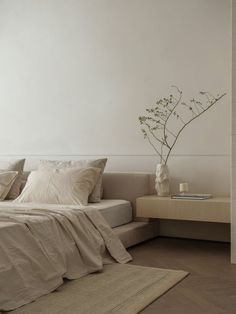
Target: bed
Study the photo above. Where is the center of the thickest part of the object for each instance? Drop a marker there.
(43, 244)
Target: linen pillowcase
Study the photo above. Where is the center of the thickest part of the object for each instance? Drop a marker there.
(13, 165)
(96, 194)
(59, 186)
(7, 179)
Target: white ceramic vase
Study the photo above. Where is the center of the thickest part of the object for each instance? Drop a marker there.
(162, 180)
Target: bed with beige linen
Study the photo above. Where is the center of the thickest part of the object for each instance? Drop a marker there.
(41, 244)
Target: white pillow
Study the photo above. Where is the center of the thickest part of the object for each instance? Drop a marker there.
(59, 186)
(95, 195)
(7, 179)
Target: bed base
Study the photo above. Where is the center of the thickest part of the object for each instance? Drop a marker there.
(136, 232)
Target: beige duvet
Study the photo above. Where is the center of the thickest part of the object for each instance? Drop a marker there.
(42, 244)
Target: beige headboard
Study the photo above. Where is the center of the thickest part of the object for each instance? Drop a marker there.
(127, 186)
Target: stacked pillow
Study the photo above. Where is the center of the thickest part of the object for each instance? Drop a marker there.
(60, 186)
(95, 195)
(65, 182)
(10, 178)
(7, 179)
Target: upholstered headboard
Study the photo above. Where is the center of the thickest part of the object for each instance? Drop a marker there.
(121, 185)
(127, 186)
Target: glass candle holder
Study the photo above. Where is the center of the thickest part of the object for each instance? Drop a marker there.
(183, 188)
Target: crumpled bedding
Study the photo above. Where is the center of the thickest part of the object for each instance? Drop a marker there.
(40, 244)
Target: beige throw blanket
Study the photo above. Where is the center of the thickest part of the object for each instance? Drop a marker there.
(42, 244)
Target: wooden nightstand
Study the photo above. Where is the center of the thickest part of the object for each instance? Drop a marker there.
(216, 209)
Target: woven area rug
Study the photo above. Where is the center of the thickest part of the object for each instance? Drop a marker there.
(120, 289)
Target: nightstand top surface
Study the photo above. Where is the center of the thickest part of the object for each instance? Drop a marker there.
(220, 199)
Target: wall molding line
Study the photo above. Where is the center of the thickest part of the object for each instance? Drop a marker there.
(113, 155)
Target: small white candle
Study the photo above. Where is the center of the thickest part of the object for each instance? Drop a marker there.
(183, 187)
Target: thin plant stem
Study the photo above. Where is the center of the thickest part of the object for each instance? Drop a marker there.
(159, 154)
(176, 104)
(149, 128)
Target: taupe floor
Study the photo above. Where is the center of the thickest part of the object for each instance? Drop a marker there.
(209, 289)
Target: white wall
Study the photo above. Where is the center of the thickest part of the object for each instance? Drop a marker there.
(75, 75)
(233, 194)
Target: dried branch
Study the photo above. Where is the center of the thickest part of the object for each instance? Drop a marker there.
(180, 131)
(150, 142)
(158, 120)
